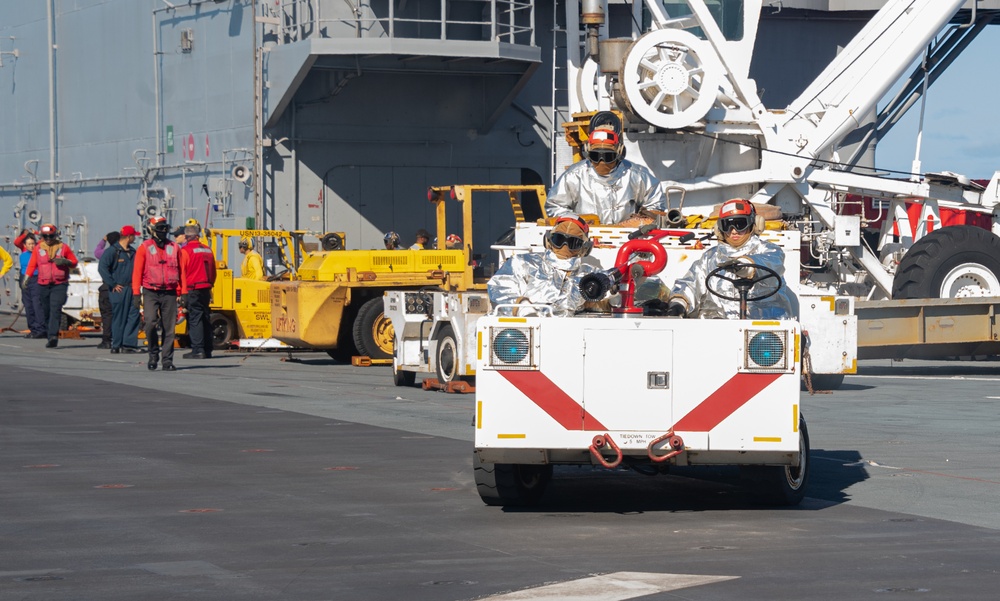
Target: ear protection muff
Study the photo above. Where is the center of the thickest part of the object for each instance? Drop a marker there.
(587, 246)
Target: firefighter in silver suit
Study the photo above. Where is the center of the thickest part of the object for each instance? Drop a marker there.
(551, 278)
(604, 183)
(736, 229)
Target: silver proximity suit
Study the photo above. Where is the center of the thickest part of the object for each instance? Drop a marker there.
(541, 279)
(702, 303)
(613, 198)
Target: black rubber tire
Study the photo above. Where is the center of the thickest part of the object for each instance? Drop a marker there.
(446, 355)
(510, 483)
(931, 258)
(345, 337)
(373, 334)
(223, 330)
(403, 378)
(781, 485)
(827, 381)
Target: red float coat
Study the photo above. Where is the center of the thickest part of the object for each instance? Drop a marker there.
(157, 268)
(198, 267)
(48, 272)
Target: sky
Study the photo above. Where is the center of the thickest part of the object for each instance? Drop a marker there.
(961, 133)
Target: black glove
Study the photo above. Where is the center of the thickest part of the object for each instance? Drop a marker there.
(182, 301)
(676, 309)
(655, 307)
(62, 262)
(137, 302)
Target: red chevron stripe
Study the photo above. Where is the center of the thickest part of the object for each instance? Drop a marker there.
(552, 400)
(724, 402)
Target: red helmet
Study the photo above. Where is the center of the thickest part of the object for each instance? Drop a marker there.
(49, 230)
(736, 214)
(453, 240)
(736, 206)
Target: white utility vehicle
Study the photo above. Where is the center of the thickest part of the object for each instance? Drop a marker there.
(622, 389)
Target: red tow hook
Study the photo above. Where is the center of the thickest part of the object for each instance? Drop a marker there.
(674, 442)
(600, 441)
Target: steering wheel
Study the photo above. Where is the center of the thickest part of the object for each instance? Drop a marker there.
(743, 285)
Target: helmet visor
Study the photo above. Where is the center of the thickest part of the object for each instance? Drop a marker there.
(559, 240)
(740, 223)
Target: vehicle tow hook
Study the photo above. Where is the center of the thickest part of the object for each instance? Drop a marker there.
(674, 441)
(600, 441)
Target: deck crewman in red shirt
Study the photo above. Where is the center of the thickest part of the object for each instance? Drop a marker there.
(198, 269)
(53, 259)
(158, 273)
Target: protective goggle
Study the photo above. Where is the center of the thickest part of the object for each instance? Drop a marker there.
(602, 156)
(740, 223)
(559, 240)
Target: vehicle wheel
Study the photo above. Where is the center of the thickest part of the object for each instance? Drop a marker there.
(781, 485)
(373, 333)
(953, 262)
(223, 330)
(827, 381)
(510, 483)
(403, 378)
(446, 356)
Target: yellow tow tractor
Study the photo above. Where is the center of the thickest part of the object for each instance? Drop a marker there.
(241, 307)
(336, 305)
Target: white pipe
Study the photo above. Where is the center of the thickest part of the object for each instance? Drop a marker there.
(53, 155)
(156, 87)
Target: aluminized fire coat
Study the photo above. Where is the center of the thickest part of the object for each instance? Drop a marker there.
(702, 303)
(541, 279)
(613, 198)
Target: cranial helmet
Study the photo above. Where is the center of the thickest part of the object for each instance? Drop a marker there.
(246, 243)
(453, 241)
(391, 240)
(738, 214)
(192, 221)
(49, 230)
(604, 142)
(569, 238)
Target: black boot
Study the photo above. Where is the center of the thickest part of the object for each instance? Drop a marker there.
(52, 343)
(153, 359)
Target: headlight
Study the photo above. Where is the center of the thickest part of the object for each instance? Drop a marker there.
(416, 303)
(766, 351)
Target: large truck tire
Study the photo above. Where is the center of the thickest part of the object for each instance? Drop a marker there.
(510, 483)
(781, 485)
(952, 262)
(373, 333)
(446, 355)
(223, 330)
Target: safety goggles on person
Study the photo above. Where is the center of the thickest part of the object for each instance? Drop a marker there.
(559, 240)
(602, 156)
(740, 223)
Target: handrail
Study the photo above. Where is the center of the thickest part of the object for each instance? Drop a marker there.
(510, 21)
